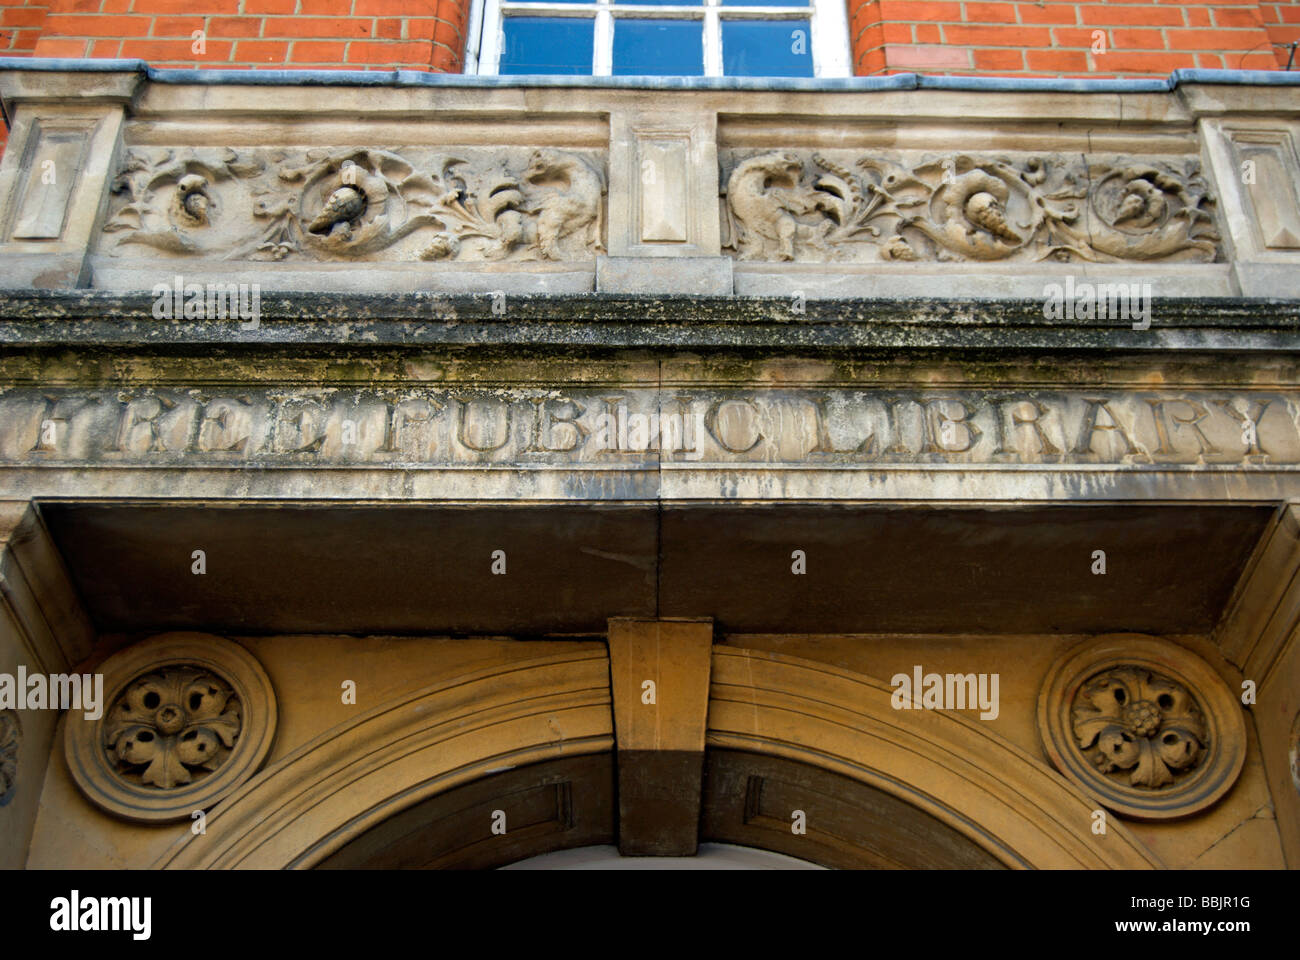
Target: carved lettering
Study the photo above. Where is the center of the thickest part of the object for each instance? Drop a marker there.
(827, 425)
(463, 421)
(1091, 426)
(544, 430)
(735, 419)
(824, 444)
(140, 418)
(399, 437)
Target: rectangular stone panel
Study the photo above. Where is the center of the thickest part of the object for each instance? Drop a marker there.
(663, 201)
(1269, 172)
(626, 426)
(50, 173)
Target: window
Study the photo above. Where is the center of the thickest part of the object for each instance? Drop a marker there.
(661, 38)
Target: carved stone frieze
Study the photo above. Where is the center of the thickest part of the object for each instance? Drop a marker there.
(190, 717)
(357, 204)
(1143, 724)
(10, 735)
(835, 206)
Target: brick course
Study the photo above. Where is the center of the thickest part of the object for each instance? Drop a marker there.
(244, 34)
(1053, 38)
(991, 37)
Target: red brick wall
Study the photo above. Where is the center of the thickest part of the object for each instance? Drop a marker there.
(991, 37)
(1060, 37)
(242, 34)
(1282, 21)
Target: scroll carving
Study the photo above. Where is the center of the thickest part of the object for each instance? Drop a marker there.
(962, 207)
(358, 204)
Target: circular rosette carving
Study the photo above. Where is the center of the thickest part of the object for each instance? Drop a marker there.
(981, 212)
(188, 718)
(1143, 724)
(173, 726)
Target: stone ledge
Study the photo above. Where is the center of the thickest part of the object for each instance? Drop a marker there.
(698, 276)
(603, 322)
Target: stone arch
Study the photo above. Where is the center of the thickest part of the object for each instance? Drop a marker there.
(313, 801)
(989, 790)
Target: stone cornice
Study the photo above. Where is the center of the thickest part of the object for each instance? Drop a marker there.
(370, 322)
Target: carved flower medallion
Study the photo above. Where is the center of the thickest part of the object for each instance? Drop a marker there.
(190, 717)
(1143, 725)
(1140, 724)
(173, 726)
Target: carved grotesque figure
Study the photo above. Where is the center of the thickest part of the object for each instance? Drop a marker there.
(765, 195)
(344, 205)
(192, 201)
(1141, 205)
(573, 208)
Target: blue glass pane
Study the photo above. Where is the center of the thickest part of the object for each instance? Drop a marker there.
(560, 45)
(666, 3)
(766, 3)
(766, 48)
(658, 48)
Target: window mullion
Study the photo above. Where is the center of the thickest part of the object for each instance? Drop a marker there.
(491, 39)
(830, 39)
(712, 42)
(603, 48)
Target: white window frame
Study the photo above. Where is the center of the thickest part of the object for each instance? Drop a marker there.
(829, 25)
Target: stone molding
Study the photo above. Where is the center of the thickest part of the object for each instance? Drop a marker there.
(1264, 612)
(314, 801)
(51, 629)
(948, 765)
(1144, 724)
(310, 803)
(187, 718)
